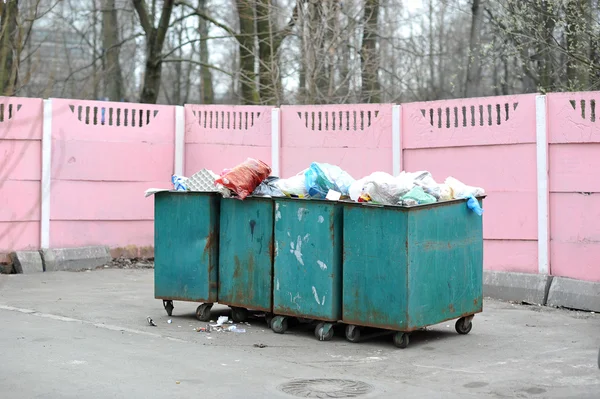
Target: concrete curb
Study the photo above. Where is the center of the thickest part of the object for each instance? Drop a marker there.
(574, 294)
(27, 262)
(516, 287)
(73, 259)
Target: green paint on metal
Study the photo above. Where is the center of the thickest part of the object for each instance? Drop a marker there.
(246, 253)
(375, 261)
(445, 272)
(186, 231)
(308, 259)
(407, 268)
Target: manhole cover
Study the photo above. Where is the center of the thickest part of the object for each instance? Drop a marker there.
(326, 388)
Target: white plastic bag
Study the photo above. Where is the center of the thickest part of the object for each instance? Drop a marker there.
(386, 189)
(461, 190)
(294, 186)
(355, 189)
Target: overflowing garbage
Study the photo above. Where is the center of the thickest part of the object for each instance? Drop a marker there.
(326, 181)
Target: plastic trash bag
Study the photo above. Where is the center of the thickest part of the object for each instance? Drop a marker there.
(294, 186)
(245, 177)
(461, 190)
(322, 177)
(355, 190)
(383, 188)
(416, 196)
(179, 183)
(268, 188)
(473, 205)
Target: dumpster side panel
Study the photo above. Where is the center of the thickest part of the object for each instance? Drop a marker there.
(186, 247)
(375, 267)
(246, 253)
(308, 260)
(445, 272)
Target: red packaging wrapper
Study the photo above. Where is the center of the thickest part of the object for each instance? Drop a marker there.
(245, 177)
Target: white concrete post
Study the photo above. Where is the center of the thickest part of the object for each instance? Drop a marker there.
(178, 167)
(46, 175)
(542, 185)
(396, 139)
(275, 141)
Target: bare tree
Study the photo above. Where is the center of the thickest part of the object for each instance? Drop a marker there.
(206, 80)
(371, 90)
(474, 59)
(113, 79)
(10, 46)
(155, 38)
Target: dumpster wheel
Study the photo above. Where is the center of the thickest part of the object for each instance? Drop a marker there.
(168, 305)
(463, 325)
(239, 315)
(203, 311)
(401, 340)
(279, 324)
(269, 319)
(352, 333)
(324, 331)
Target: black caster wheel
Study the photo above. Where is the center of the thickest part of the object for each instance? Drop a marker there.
(203, 312)
(239, 315)
(463, 325)
(324, 331)
(168, 305)
(269, 319)
(401, 340)
(352, 333)
(279, 324)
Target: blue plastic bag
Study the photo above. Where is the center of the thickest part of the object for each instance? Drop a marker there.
(179, 183)
(322, 177)
(473, 205)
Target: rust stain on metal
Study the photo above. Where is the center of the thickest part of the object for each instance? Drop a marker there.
(332, 227)
(451, 308)
(237, 270)
(475, 301)
(242, 285)
(188, 299)
(271, 249)
(210, 240)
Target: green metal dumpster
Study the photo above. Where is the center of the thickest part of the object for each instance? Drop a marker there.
(186, 249)
(246, 255)
(406, 268)
(308, 263)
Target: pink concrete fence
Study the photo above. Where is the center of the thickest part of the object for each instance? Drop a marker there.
(534, 155)
(20, 172)
(574, 162)
(486, 142)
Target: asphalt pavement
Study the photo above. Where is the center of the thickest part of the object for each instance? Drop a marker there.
(73, 335)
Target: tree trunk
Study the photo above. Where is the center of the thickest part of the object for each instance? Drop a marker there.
(268, 75)
(472, 85)
(249, 92)
(319, 25)
(113, 79)
(155, 38)
(206, 81)
(432, 84)
(9, 47)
